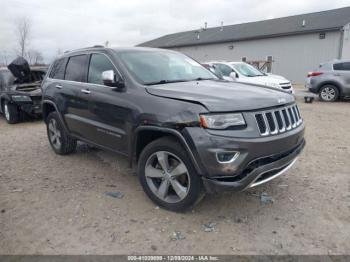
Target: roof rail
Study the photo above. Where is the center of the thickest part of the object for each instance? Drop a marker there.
(98, 46)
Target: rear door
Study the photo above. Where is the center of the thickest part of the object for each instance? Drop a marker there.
(72, 103)
(108, 109)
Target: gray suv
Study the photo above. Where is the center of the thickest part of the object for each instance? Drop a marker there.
(331, 80)
(185, 129)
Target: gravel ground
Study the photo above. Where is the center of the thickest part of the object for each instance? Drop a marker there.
(54, 204)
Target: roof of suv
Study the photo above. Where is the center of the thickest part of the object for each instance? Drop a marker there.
(337, 61)
(117, 49)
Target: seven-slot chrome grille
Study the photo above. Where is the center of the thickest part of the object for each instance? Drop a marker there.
(275, 121)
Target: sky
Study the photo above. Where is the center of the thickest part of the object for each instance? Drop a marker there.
(57, 26)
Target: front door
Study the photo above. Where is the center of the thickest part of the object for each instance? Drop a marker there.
(107, 108)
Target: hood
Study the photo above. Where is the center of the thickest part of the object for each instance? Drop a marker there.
(278, 77)
(219, 96)
(20, 69)
(268, 79)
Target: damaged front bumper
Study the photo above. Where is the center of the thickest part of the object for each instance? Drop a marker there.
(31, 105)
(251, 161)
(257, 175)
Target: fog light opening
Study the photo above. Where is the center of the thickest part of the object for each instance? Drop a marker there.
(227, 157)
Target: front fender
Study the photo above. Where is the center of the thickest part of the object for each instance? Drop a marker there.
(169, 131)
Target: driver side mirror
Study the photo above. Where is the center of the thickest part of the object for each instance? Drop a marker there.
(233, 75)
(110, 79)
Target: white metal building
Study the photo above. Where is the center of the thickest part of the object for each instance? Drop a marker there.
(297, 44)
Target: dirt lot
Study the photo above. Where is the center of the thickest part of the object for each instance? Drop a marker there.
(57, 205)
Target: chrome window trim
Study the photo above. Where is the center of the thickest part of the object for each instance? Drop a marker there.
(79, 82)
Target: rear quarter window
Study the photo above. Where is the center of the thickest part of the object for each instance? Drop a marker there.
(57, 71)
(342, 66)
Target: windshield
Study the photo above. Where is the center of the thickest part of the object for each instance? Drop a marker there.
(161, 67)
(247, 70)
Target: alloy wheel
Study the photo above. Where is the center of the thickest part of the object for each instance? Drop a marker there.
(328, 94)
(167, 176)
(54, 134)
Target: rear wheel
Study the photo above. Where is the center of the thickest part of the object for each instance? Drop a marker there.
(11, 113)
(329, 93)
(61, 142)
(168, 176)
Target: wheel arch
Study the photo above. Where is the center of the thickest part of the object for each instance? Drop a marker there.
(151, 133)
(49, 106)
(333, 83)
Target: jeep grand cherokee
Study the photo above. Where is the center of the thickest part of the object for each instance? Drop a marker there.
(185, 129)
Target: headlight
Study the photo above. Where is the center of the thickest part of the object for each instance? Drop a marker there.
(221, 121)
(21, 98)
(274, 85)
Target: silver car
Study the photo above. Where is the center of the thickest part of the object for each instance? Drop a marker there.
(330, 81)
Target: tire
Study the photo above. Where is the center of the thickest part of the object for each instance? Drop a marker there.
(329, 93)
(61, 142)
(11, 112)
(184, 185)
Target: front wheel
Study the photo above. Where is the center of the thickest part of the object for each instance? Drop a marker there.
(61, 142)
(329, 93)
(168, 176)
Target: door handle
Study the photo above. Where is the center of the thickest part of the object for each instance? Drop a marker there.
(85, 91)
(337, 74)
(59, 86)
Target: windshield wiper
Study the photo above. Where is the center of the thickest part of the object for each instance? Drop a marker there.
(253, 75)
(161, 82)
(201, 79)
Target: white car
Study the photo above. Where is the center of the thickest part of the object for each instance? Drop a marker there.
(243, 72)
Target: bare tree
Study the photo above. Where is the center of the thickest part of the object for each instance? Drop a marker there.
(23, 31)
(34, 57)
(38, 58)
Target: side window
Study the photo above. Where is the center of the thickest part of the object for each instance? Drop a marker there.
(342, 66)
(225, 70)
(57, 71)
(75, 70)
(98, 64)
